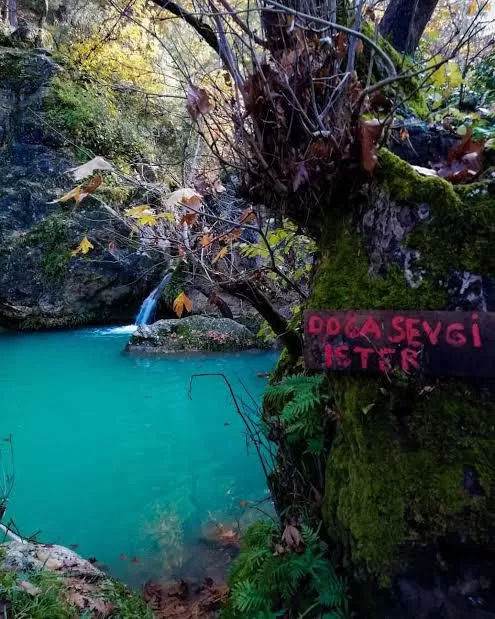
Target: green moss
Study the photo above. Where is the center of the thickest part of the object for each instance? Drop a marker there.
(395, 483)
(342, 280)
(68, 321)
(458, 235)
(129, 605)
(407, 92)
(53, 238)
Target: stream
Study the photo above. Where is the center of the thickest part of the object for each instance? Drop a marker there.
(113, 459)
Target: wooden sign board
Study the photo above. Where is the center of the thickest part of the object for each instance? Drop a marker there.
(434, 343)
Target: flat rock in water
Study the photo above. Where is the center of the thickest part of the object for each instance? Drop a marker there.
(192, 334)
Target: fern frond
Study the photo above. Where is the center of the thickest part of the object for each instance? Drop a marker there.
(246, 597)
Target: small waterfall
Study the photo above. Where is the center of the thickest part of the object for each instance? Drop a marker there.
(147, 309)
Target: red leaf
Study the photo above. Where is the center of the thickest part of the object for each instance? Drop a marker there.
(369, 134)
(189, 219)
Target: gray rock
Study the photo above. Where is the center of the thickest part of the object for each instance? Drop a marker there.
(41, 285)
(194, 333)
(31, 557)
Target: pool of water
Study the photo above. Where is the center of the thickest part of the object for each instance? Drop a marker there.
(111, 455)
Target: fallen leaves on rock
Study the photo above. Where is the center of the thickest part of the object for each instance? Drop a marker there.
(84, 596)
(464, 160)
(185, 600)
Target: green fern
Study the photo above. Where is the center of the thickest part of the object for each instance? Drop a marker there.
(299, 401)
(266, 583)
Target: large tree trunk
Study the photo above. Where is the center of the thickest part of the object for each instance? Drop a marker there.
(404, 22)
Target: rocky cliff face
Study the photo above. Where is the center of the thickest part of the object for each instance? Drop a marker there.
(41, 285)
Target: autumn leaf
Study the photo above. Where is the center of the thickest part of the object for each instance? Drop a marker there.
(188, 219)
(84, 246)
(359, 47)
(369, 134)
(206, 239)
(473, 7)
(404, 134)
(247, 216)
(186, 196)
(98, 163)
(221, 254)
(292, 537)
(231, 236)
(72, 194)
(80, 192)
(182, 302)
(136, 211)
(147, 219)
(198, 102)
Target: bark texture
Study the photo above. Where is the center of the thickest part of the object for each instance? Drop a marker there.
(405, 21)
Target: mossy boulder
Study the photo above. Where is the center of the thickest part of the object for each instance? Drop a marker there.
(42, 581)
(192, 334)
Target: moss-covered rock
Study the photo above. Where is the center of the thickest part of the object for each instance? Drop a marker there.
(194, 333)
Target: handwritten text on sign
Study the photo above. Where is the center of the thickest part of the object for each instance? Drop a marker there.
(438, 343)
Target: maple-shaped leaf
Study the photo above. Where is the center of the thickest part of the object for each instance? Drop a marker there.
(189, 219)
(147, 219)
(369, 134)
(182, 302)
(84, 246)
(186, 195)
(247, 216)
(198, 102)
(206, 239)
(98, 163)
(221, 254)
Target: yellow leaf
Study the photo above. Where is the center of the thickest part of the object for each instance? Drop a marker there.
(473, 7)
(136, 211)
(74, 193)
(147, 219)
(169, 216)
(182, 302)
(84, 246)
(221, 254)
(206, 239)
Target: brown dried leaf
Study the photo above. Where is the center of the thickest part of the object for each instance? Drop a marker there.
(206, 239)
(247, 216)
(189, 219)
(198, 102)
(369, 134)
(292, 537)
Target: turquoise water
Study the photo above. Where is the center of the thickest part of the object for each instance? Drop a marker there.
(111, 454)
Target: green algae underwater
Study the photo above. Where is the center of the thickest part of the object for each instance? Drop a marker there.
(112, 457)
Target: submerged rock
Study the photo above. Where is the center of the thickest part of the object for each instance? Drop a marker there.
(194, 333)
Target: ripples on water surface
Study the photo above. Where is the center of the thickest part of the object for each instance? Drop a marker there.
(110, 453)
